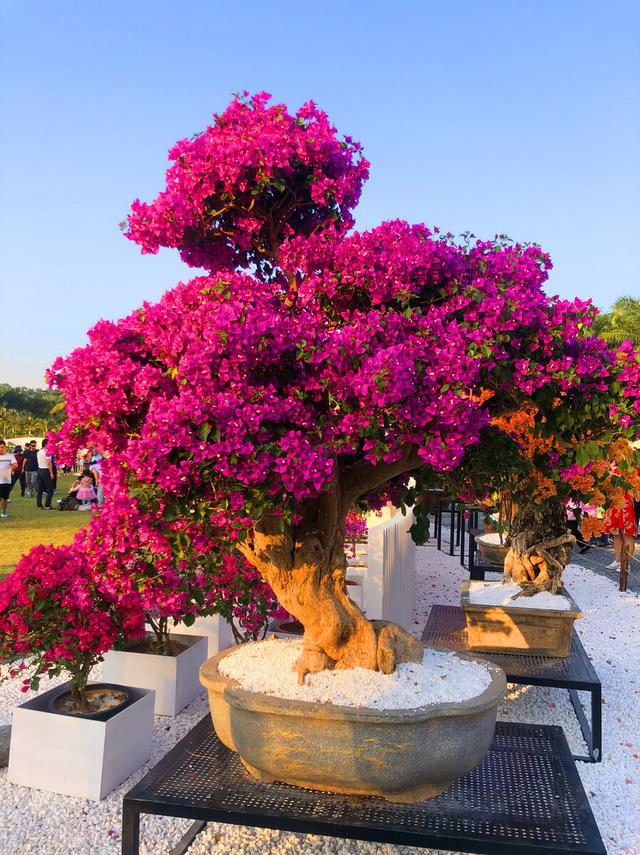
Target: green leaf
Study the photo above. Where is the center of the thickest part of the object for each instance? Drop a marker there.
(582, 457)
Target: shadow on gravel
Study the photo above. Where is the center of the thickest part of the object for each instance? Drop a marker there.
(597, 557)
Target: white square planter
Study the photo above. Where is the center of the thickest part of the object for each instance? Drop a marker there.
(174, 678)
(216, 630)
(79, 756)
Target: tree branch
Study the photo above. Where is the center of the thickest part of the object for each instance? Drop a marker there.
(363, 477)
(330, 505)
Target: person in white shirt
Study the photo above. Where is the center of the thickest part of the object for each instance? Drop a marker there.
(45, 478)
(8, 465)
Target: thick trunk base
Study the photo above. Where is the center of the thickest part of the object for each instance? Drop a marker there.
(377, 645)
(309, 579)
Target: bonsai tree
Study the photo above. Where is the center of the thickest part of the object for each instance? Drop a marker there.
(54, 619)
(538, 460)
(310, 368)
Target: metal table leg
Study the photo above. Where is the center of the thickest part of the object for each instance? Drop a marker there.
(130, 830)
(452, 526)
(591, 735)
(472, 554)
(596, 723)
(188, 837)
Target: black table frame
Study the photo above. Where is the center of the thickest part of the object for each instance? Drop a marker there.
(462, 534)
(525, 797)
(446, 627)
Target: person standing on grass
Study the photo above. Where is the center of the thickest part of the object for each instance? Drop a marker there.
(45, 478)
(18, 474)
(8, 466)
(30, 467)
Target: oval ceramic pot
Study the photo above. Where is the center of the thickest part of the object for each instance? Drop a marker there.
(493, 553)
(402, 755)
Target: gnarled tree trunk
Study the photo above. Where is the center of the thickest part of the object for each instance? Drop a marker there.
(308, 576)
(540, 548)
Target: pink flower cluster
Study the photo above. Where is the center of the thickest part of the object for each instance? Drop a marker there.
(257, 173)
(53, 610)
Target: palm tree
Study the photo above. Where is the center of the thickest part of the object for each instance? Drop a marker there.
(9, 422)
(622, 322)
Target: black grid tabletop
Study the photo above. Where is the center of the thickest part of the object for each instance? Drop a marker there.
(446, 628)
(525, 796)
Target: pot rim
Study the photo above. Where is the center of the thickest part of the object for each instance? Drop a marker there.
(188, 641)
(66, 689)
(213, 680)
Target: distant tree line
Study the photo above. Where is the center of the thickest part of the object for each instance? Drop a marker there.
(26, 411)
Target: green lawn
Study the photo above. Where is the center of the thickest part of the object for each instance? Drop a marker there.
(27, 526)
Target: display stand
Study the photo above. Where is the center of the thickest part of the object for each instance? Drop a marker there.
(525, 797)
(447, 629)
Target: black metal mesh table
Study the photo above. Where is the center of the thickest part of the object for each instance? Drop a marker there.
(525, 797)
(446, 627)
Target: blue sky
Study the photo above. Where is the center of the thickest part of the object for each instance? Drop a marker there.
(519, 116)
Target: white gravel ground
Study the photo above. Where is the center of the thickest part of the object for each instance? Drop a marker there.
(47, 824)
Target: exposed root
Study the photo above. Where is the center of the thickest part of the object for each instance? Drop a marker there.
(395, 646)
(540, 567)
(392, 646)
(311, 661)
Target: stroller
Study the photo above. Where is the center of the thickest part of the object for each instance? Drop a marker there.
(69, 503)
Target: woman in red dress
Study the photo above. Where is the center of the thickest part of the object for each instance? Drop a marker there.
(622, 524)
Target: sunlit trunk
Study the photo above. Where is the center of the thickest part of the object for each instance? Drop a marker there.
(309, 580)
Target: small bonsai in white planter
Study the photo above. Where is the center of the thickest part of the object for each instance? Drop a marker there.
(54, 620)
(158, 659)
(78, 739)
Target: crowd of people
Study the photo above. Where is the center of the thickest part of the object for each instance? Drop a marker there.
(37, 473)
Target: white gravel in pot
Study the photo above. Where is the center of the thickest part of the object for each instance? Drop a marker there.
(42, 823)
(499, 594)
(268, 666)
(491, 538)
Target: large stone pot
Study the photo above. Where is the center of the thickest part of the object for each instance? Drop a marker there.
(401, 755)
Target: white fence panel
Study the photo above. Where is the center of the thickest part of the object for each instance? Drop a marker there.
(389, 584)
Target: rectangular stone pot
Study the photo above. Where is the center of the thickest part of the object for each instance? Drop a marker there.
(513, 629)
(173, 678)
(79, 756)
